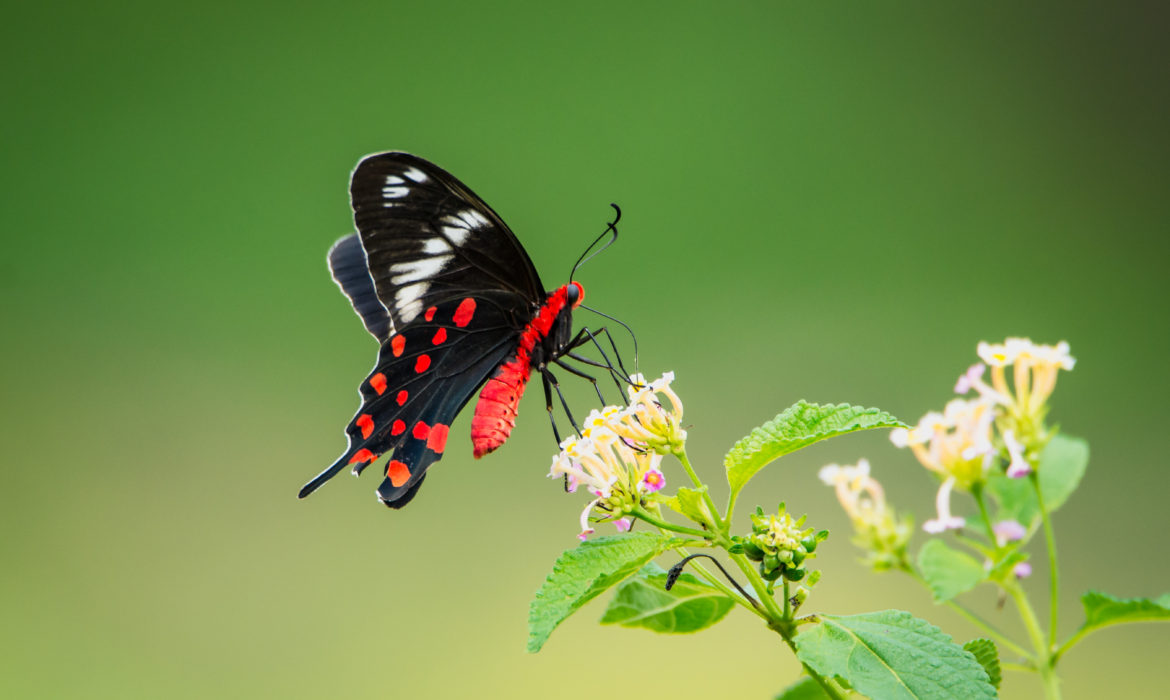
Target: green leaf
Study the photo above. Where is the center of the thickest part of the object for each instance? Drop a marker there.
(804, 689)
(988, 657)
(1102, 610)
(689, 606)
(894, 656)
(581, 574)
(798, 426)
(689, 502)
(1062, 464)
(947, 571)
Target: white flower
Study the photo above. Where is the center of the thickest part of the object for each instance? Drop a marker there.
(1019, 466)
(945, 521)
(956, 443)
(618, 454)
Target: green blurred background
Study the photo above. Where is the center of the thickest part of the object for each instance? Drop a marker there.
(831, 203)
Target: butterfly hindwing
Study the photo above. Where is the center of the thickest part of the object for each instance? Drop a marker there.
(347, 264)
(425, 374)
(427, 238)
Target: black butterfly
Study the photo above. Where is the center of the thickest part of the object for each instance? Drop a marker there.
(443, 284)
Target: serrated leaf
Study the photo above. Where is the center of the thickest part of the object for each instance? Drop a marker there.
(804, 689)
(894, 656)
(643, 601)
(1062, 465)
(689, 503)
(1102, 610)
(948, 571)
(798, 426)
(581, 574)
(987, 655)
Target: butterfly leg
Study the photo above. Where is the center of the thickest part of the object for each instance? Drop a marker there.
(548, 404)
(592, 380)
(586, 336)
(550, 378)
(613, 345)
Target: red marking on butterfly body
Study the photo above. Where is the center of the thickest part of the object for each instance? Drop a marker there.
(464, 312)
(495, 411)
(397, 472)
(378, 383)
(366, 423)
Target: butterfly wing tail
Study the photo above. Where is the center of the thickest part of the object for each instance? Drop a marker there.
(324, 476)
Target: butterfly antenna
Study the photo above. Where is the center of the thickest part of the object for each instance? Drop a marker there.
(612, 227)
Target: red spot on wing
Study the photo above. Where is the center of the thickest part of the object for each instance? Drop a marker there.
(464, 312)
(421, 430)
(398, 428)
(378, 383)
(421, 364)
(397, 472)
(397, 343)
(437, 440)
(402, 396)
(363, 455)
(366, 422)
(430, 314)
(440, 336)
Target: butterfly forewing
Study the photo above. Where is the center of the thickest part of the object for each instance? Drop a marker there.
(429, 239)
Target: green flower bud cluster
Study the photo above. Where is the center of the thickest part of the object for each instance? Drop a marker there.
(780, 544)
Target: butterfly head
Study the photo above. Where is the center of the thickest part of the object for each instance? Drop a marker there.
(574, 294)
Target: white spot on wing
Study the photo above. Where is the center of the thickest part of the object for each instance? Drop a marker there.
(391, 192)
(457, 234)
(416, 175)
(394, 180)
(436, 246)
(408, 301)
(415, 270)
(471, 219)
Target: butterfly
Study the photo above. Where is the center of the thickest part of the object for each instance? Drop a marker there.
(443, 284)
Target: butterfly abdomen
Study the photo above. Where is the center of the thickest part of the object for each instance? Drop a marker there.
(499, 400)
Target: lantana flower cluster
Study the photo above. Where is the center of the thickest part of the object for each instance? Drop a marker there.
(877, 528)
(618, 455)
(1005, 421)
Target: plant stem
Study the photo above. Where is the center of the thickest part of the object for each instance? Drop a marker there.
(1068, 645)
(987, 627)
(681, 454)
(776, 615)
(644, 514)
(787, 602)
(977, 493)
(718, 583)
(1032, 624)
(1053, 577)
(972, 617)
